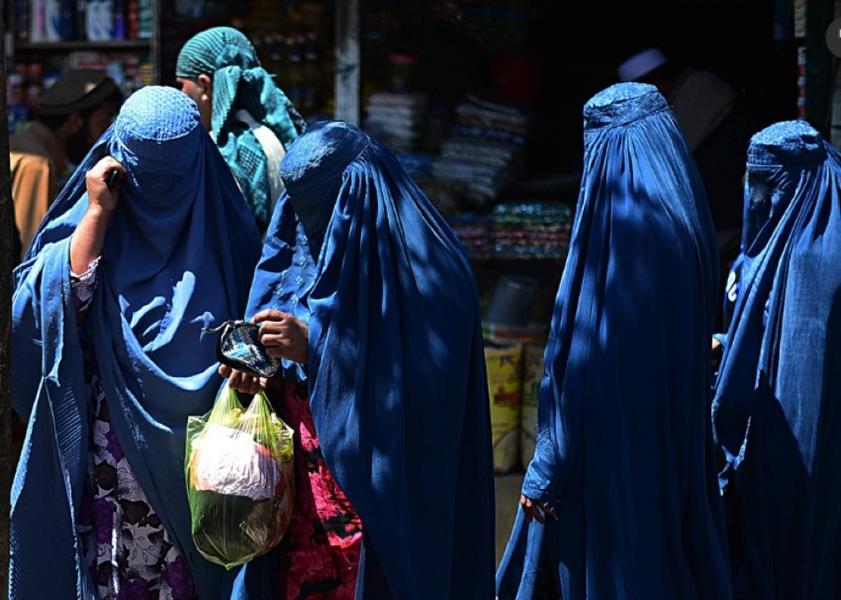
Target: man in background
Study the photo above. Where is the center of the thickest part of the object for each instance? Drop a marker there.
(71, 116)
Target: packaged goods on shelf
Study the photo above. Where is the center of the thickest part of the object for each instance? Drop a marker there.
(49, 21)
(475, 234)
(484, 150)
(397, 119)
(531, 341)
(517, 231)
(531, 230)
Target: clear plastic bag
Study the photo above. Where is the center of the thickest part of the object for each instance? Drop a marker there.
(240, 481)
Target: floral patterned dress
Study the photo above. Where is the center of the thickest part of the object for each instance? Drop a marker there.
(320, 554)
(126, 547)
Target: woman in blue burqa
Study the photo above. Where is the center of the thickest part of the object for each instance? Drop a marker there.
(621, 499)
(109, 358)
(757, 209)
(386, 329)
(776, 405)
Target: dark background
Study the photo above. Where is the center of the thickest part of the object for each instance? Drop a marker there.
(567, 51)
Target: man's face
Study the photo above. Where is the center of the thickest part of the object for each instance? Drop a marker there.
(99, 120)
(91, 129)
(199, 91)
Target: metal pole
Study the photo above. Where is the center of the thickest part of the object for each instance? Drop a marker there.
(348, 61)
(818, 64)
(835, 125)
(155, 44)
(7, 259)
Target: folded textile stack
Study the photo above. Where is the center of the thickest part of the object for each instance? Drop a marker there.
(445, 195)
(396, 119)
(417, 165)
(484, 150)
(531, 230)
(483, 182)
(475, 235)
(492, 121)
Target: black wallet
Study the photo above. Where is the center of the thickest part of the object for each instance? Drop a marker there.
(239, 347)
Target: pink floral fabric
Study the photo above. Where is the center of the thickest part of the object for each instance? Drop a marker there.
(320, 553)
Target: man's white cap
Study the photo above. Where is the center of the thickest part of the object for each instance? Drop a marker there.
(641, 64)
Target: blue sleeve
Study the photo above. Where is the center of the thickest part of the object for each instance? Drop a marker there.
(537, 483)
(41, 303)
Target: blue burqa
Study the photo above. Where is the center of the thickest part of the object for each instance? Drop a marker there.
(776, 406)
(624, 450)
(396, 367)
(762, 201)
(285, 274)
(178, 256)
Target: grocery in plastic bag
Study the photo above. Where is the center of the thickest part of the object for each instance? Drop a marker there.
(240, 483)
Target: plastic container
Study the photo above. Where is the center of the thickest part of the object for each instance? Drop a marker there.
(512, 301)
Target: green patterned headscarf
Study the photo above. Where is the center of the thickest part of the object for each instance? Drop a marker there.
(240, 82)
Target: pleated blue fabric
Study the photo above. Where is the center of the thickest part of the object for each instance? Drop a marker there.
(285, 274)
(776, 406)
(624, 450)
(396, 368)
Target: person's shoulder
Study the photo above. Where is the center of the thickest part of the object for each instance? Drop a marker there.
(27, 169)
(27, 161)
(29, 143)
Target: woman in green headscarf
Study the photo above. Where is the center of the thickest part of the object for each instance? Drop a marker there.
(249, 117)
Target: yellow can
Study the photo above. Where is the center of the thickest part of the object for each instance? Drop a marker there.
(504, 363)
(532, 376)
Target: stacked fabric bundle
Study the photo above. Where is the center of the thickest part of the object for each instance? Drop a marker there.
(516, 231)
(475, 234)
(485, 149)
(531, 230)
(416, 164)
(483, 182)
(491, 121)
(396, 119)
(445, 195)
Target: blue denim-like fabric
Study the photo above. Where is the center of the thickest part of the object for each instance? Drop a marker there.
(775, 409)
(624, 451)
